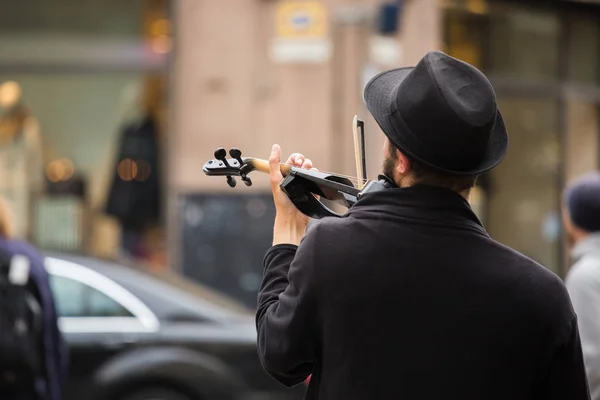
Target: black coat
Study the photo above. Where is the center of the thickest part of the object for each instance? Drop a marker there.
(407, 297)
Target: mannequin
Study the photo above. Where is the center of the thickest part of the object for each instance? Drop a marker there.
(21, 159)
(134, 195)
(131, 106)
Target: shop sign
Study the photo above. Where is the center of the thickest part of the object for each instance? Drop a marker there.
(301, 32)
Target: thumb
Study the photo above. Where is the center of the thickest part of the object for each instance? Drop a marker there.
(274, 167)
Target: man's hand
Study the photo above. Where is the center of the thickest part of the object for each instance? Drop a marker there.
(290, 223)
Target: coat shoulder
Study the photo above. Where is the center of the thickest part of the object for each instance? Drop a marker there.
(541, 288)
(332, 228)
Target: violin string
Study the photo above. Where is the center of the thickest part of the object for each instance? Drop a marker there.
(351, 178)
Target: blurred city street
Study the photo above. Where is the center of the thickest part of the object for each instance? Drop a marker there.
(109, 109)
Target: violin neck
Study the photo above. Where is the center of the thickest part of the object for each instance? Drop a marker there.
(261, 165)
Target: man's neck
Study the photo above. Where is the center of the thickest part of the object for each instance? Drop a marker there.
(579, 236)
(585, 243)
(466, 194)
(408, 182)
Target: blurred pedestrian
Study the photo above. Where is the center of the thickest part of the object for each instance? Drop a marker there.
(407, 296)
(581, 216)
(47, 361)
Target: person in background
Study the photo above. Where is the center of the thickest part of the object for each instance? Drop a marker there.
(49, 383)
(581, 217)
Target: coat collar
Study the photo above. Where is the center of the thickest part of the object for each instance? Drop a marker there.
(426, 204)
(589, 245)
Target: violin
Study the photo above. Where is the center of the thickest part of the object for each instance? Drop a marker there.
(307, 189)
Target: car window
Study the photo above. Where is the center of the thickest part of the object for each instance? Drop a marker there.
(76, 299)
(201, 291)
(68, 295)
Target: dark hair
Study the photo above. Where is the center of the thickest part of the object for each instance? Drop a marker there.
(426, 175)
(582, 199)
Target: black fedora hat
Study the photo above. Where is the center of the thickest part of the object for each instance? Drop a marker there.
(441, 112)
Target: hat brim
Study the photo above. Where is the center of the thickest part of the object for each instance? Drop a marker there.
(381, 91)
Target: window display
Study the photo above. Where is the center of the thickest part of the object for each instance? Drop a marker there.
(21, 167)
(81, 87)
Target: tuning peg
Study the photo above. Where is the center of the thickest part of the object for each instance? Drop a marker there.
(236, 154)
(231, 181)
(246, 180)
(220, 154)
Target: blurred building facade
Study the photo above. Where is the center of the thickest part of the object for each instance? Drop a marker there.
(80, 77)
(236, 85)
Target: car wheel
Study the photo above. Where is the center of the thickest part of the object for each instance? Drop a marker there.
(157, 394)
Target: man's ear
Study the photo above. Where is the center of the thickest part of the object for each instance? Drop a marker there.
(404, 166)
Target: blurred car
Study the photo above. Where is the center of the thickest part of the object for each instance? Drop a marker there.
(138, 335)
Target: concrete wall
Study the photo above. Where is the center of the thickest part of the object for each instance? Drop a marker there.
(227, 93)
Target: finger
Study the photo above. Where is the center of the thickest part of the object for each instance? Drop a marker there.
(307, 164)
(295, 159)
(314, 169)
(299, 159)
(274, 168)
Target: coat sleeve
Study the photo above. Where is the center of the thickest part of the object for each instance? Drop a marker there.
(566, 377)
(286, 315)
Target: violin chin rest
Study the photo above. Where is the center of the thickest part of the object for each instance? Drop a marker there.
(305, 201)
(374, 186)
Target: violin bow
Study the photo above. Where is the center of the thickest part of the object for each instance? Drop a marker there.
(358, 132)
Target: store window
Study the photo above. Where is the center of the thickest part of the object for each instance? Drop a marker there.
(83, 100)
(583, 57)
(97, 18)
(465, 37)
(543, 60)
(582, 95)
(514, 33)
(524, 189)
(582, 141)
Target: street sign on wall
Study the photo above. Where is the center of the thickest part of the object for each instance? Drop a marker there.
(301, 19)
(301, 32)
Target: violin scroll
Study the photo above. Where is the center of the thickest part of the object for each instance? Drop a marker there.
(234, 166)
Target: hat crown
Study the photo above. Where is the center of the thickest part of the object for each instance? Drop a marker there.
(449, 107)
(464, 88)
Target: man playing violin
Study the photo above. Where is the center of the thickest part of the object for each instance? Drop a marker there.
(407, 296)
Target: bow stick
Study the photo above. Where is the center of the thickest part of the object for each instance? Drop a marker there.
(358, 131)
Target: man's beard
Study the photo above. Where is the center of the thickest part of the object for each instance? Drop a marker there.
(389, 168)
(389, 165)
